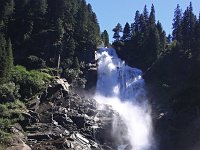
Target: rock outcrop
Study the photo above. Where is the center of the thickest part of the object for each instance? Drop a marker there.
(60, 119)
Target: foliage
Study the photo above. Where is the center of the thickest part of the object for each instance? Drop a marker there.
(105, 38)
(117, 30)
(47, 29)
(30, 82)
(126, 32)
(34, 62)
(8, 91)
(11, 110)
(174, 75)
(6, 59)
(10, 113)
(143, 41)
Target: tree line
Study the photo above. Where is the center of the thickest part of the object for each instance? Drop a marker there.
(46, 33)
(144, 41)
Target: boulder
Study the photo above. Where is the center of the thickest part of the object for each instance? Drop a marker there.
(62, 119)
(18, 144)
(19, 147)
(63, 83)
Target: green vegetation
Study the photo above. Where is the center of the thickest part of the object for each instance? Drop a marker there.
(57, 34)
(10, 113)
(105, 38)
(23, 84)
(142, 41)
(8, 91)
(29, 82)
(47, 29)
(6, 59)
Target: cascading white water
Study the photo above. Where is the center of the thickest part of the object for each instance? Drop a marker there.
(123, 87)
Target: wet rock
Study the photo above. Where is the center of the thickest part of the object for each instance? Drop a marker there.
(79, 121)
(62, 119)
(58, 89)
(28, 119)
(34, 103)
(58, 119)
(39, 136)
(63, 83)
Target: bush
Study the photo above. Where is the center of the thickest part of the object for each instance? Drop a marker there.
(4, 136)
(50, 71)
(30, 82)
(33, 62)
(7, 92)
(12, 110)
(10, 113)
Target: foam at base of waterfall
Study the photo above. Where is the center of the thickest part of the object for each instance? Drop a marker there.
(136, 118)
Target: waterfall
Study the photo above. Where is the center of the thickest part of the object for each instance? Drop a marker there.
(122, 87)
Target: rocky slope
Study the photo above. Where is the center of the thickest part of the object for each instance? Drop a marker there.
(61, 119)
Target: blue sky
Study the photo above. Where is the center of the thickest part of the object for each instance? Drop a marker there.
(110, 12)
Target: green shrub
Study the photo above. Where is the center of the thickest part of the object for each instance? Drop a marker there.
(50, 71)
(10, 113)
(12, 110)
(7, 88)
(8, 91)
(4, 136)
(34, 62)
(30, 82)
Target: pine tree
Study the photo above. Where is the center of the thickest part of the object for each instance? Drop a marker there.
(126, 32)
(105, 38)
(6, 8)
(162, 36)
(188, 27)
(146, 15)
(117, 31)
(6, 59)
(93, 31)
(153, 45)
(39, 15)
(39, 7)
(169, 39)
(142, 24)
(196, 46)
(176, 33)
(2, 59)
(49, 28)
(136, 22)
(76, 64)
(152, 19)
(59, 29)
(70, 48)
(9, 59)
(192, 25)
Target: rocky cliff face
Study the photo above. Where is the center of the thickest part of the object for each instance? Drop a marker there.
(59, 119)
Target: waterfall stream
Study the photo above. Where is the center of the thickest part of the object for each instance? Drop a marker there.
(122, 87)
